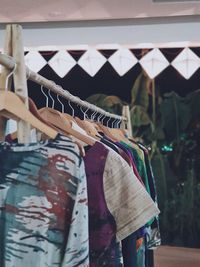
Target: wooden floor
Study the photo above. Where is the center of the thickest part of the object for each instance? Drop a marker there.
(176, 257)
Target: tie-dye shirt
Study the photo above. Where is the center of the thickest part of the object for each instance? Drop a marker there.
(43, 205)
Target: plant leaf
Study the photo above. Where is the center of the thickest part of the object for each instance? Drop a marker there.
(176, 115)
(139, 92)
(139, 116)
(96, 99)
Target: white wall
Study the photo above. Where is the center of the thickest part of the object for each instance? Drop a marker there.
(124, 32)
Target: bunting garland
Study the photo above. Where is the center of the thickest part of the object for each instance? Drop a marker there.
(122, 60)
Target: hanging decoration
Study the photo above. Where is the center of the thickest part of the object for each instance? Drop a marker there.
(154, 63)
(92, 60)
(122, 61)
(186, 63)
(35, 61)
(62, 62)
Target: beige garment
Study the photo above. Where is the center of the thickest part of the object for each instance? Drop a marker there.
(126, 198)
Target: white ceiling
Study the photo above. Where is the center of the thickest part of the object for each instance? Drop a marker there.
(72, 10)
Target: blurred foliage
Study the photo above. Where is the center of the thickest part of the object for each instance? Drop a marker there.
(174, 140)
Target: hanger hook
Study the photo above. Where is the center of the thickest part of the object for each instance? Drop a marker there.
(93, 115)
(51, 98)
(7, 78)
(69, 103)
(108, 121)
(113, 123)
(84, 112)
(63, 108)
(104, 116)
(119, 122)
(99, 117)
(47, 99)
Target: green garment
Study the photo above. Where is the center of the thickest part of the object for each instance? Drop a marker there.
(138, 156)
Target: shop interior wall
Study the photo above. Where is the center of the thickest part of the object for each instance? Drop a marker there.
(125, 32)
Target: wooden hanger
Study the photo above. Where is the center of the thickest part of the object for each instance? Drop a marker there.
(63, 116)
(60, 121)
(69, 117)
(33, 109)
(107, 132)
(118, 134)
(11, 104)
(88, 127)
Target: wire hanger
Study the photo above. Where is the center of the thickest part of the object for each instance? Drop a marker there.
(113, 123)
(11, 106)
(69, 103)
(68, 116)
(9, 75)
(93, 115)
(62, 123)
(87, 125)
(63, 108)
(53, 101)
(47, 100)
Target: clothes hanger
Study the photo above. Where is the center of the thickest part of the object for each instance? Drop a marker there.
(75, 125)
(16, 109)
(118, 134)
(71, 118)
(13, 107)
(106, 130)
(33, 109)
(68, 116)
(52, 110)
(115, 134)
(96, 124)
(64, 125)
(87, 125)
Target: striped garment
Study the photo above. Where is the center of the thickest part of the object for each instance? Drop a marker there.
(43, 205)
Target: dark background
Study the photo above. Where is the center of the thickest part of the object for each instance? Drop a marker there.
(107, 80)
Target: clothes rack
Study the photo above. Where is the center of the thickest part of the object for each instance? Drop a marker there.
(9, 63)
(55, 199)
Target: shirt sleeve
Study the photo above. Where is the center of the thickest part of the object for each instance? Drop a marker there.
(126, 198)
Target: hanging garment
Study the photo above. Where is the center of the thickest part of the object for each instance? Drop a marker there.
(135, 158)
(118, 204)
(133, 259)
(104, 248)
(129, 244)
(43, 205)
